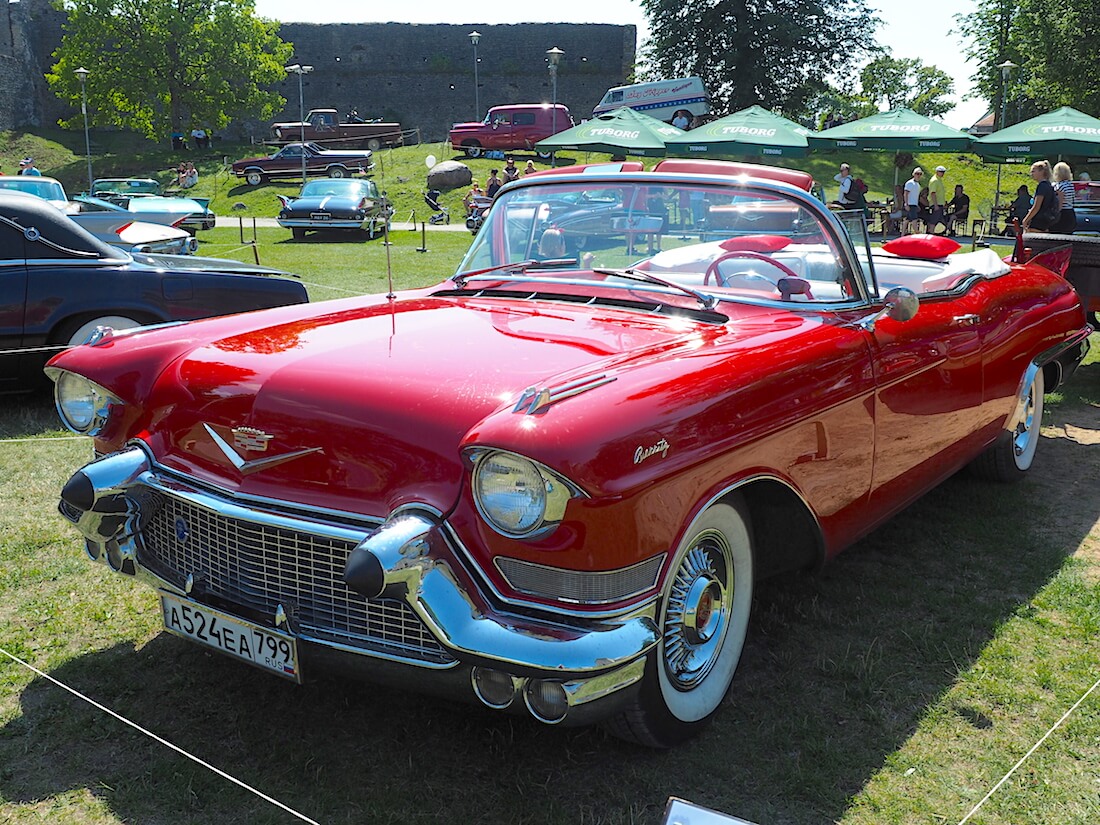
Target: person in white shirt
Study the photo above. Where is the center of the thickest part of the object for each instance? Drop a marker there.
(912, 202)
(844, 178)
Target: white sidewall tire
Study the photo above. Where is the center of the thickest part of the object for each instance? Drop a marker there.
(699, 702)
(113, 321)
(1026, 436)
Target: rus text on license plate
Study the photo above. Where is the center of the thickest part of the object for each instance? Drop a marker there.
(261, 646)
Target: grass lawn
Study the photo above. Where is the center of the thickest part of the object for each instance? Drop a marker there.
(897, 685)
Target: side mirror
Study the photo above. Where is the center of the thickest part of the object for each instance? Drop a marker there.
(900, 304)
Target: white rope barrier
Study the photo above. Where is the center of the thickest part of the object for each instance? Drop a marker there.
(159, 739)
(1034, 747)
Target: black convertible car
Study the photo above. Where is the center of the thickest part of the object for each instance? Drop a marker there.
(348, 204)
(58, 283)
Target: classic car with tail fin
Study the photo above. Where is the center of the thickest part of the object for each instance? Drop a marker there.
(550, 482)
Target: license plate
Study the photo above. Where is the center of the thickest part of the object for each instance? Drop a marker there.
(319, 216)
(260, 646)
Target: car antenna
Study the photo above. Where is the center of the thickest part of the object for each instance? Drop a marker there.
(389, 264)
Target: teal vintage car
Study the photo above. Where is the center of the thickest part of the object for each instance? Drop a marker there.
(144, 195)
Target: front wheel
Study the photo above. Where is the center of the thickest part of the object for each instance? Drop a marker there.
(374, 144)
(253, 177)
(117, 322)
(337, 172)
(1013, 453)
(472, 150)
(704, 619)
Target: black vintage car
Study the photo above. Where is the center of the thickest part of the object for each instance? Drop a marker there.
(58, 283)
(348, 205)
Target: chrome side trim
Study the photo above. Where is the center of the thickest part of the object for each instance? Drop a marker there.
(535, 400)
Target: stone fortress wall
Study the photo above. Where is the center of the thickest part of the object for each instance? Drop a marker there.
(420, 75)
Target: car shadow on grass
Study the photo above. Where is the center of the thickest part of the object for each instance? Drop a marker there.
(840, 667)
(29, 414)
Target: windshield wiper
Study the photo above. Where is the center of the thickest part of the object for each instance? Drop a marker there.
(708, 301)
(517, 268)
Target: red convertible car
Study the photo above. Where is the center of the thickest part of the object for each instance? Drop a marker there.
(551, 481)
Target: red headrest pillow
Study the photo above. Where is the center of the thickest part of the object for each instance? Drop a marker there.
(755, 243)
(922, 246)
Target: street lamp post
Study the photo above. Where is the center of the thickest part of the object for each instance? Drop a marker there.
(300, 70)
(83, 73)
(554, 56)
(475, 38)
(1006, 69)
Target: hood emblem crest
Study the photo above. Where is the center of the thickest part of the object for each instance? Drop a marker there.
(246, 438)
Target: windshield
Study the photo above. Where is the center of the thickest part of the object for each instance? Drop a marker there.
(345, 188)
(128, 187)
(730, 240)
(46, 189)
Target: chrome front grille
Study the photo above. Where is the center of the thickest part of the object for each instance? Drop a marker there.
(260, 566)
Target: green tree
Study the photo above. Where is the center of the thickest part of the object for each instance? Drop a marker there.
(1053, 45)
(777, 53)
(160, 65)
(907, 82)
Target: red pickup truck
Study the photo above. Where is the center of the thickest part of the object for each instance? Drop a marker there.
(325, 127)
(518, 126)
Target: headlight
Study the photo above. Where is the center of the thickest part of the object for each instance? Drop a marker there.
(83, 405)
(518, 497)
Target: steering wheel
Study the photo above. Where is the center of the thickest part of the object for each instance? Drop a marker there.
(722, 280)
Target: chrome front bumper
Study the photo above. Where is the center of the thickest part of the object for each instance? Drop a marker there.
(119, 504)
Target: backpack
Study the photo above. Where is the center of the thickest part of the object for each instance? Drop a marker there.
(859, 186)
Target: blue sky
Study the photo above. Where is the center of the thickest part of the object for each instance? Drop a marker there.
(910, 29)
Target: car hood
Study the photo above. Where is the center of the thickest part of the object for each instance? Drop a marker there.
(372, 404)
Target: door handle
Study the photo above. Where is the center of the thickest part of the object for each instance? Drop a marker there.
(966, 320)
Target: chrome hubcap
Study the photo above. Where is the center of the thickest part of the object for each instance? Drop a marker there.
(698, 612)
(1023, 429)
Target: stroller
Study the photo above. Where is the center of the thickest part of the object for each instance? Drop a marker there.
(475, 217)
(440, 214)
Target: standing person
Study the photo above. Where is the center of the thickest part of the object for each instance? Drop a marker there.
(958, 210)
(912, 202)
(1063, 186)
(511, 173)
(493, 184)
(844, 178)
(937, 200)
(1044, 206)
(26, 167)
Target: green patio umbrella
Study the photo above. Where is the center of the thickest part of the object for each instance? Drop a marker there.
(894, 131)
(751, 131)
(1065, 131)
(624, 131)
